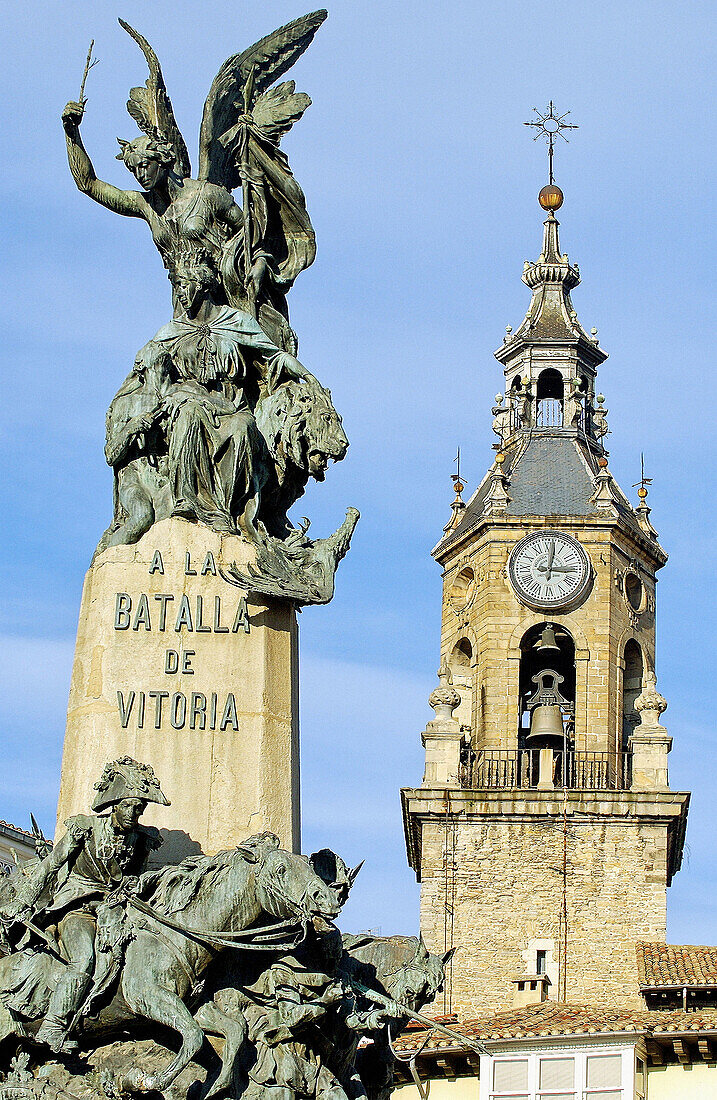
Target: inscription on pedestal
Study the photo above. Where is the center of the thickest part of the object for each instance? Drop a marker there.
(176, 666)
(168, 612)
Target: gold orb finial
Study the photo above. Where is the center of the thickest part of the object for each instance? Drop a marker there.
(550, 197)
(642, 492)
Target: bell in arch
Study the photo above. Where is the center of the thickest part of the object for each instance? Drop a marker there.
(547, 640)
(546, 727)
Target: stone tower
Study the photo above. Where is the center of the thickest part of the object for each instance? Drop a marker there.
(544, 833)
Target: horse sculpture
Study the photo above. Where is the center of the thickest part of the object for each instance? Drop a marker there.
(305, 1015)
(191, 912)
(401, 969)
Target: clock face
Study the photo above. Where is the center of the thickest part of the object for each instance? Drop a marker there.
(549, 569)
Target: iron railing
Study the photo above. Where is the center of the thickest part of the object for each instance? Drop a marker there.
(506, 769)
(549, 413)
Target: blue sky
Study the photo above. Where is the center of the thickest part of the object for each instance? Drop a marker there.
(421, 183)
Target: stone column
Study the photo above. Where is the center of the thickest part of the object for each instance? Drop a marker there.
(176, 667)
(650, 742)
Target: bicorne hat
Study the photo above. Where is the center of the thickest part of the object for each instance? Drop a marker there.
(127, 778)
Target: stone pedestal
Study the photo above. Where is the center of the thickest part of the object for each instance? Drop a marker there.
(546, 781)
(177, 668)
(443, 748)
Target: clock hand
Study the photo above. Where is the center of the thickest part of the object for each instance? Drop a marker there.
(551, 557)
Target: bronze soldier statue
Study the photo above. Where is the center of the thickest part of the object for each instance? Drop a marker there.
(87, 873)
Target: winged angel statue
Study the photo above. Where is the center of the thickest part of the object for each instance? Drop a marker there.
(218, 421)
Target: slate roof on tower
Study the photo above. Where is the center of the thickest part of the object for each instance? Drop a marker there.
(551, 474)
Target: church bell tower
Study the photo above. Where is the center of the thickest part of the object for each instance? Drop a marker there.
(545, 833)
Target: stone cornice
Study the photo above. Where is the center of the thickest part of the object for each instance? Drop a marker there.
(628, 808)
(514, 350)
(14, 832)
(455, 548)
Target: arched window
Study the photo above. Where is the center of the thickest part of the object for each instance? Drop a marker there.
(631, 688)
(461, 656)
(460, 662)
(550, 399)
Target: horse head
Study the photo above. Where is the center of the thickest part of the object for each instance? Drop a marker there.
(332, 870)
(287, 885)
(419, 979)
(400, 966)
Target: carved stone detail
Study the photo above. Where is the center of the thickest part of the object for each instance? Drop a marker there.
(650, 704)
(634, 573)
(497, 499)
(501, 419)
(444, 699)
(599, 418)
(604, 496)
(649, 741)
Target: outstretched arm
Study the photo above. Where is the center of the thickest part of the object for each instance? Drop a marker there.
(29, 891)
(130, 203)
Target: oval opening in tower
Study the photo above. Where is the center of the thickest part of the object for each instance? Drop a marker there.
(634, 591)
(550, 399)
(462, 588)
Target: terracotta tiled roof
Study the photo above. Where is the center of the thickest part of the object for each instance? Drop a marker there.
(550, 1019)
(15, 828)
(666, 964)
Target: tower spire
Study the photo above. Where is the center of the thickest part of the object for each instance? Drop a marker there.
(550, 421)
(550, 361)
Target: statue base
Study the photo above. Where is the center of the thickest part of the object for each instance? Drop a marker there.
(92, 1076)
(181, 670)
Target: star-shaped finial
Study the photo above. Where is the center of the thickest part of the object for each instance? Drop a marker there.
(549, 125)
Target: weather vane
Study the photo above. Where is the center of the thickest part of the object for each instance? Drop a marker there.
(644, 481)
(456, 478)
(549, 125)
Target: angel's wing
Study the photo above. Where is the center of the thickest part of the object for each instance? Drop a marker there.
(266, 61)
(151, 107)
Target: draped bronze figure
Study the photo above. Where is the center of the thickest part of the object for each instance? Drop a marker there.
(200, 426)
